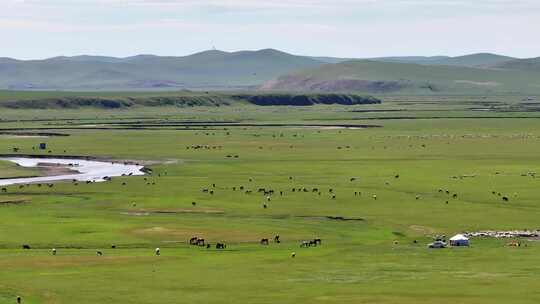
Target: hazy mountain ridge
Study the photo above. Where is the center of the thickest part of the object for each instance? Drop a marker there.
(471, 60)
(269, 68)
(201, 70)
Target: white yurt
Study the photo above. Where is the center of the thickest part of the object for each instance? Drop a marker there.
(459, 240)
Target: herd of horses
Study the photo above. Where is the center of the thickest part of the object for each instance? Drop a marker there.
(200, 242)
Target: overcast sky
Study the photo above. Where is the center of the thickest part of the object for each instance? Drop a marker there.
(345, 28)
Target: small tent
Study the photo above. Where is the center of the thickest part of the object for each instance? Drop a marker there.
(459, 240)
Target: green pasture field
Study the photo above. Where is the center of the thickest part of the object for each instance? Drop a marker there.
(9, 169)
(373, 250)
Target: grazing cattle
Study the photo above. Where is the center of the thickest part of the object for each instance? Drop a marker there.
(417, 197)
(193, 240)
(220, 246)
(19, 300)
(4, 190)
(113, 246)
(334, 196)
(212, 192)
(397, 176)
(293, 254)
(158, 251)
(505, 198)
(276, 239)
(99, 253)
(455, 195)
(514, 244)
(26, 246)
(264, 242)
(53, 251)
(318, 241)
(193, 203)
(353, 179)
(204, 190)
(304, 244)
(200, 242)
(374, 196)
(330, 190)
(265, 206)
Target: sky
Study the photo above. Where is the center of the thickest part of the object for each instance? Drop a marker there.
(35, 29)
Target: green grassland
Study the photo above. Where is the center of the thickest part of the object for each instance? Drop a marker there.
(9, 169)
(369, 256)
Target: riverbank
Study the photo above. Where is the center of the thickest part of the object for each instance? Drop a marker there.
(64, 168)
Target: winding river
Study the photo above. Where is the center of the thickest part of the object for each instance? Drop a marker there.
(72, 169)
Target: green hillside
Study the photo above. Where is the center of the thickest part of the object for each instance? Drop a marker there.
(208, 70)
(385, 77)
(472, 60)
(531, 64)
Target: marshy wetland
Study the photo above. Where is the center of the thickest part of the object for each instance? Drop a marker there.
(240, 174)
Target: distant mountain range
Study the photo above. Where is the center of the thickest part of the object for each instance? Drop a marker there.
(206, 70)
(473, 60)
(271, 69)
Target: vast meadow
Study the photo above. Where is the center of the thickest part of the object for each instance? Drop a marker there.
(376, 183)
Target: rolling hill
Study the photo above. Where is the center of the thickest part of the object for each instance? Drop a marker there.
(472, 60)
(273, 70)
(206, 70)
(391, 77)
(531, 64)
